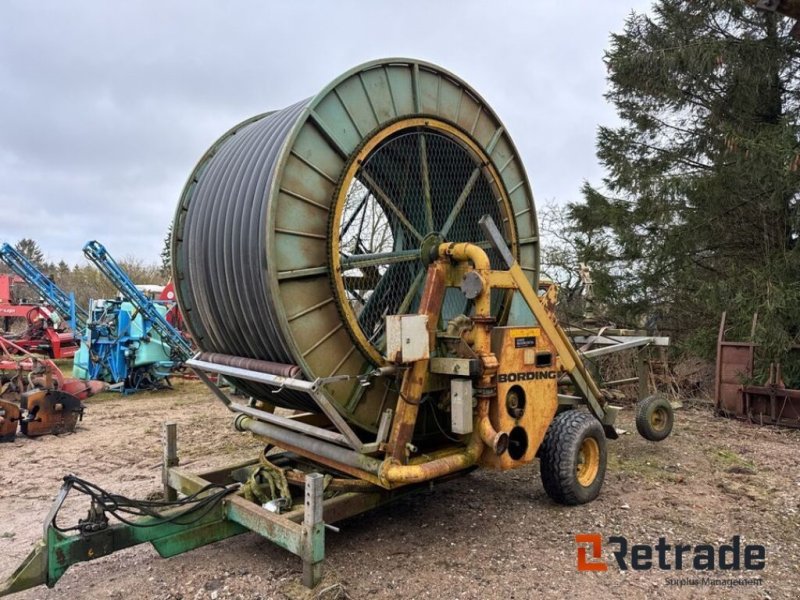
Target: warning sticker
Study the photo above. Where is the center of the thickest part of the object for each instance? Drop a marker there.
(527, 341)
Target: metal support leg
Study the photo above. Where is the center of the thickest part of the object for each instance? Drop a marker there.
(643, 371)
(313, 531)
(170, 444)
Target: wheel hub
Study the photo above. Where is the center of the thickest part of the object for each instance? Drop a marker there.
(658, 420)
(588, 462)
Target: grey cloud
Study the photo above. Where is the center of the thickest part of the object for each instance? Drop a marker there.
(106, 106)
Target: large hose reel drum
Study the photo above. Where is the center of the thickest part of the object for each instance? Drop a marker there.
(302, 228)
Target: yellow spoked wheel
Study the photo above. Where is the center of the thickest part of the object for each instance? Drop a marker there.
(414, 184)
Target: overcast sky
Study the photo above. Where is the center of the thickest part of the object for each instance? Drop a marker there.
(106, 106)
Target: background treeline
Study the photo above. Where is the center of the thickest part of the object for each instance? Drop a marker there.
(85, 280)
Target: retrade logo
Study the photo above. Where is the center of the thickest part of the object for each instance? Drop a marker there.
(595, 548)
(733, 556)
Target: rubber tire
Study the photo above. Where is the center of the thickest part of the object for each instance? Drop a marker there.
(559, 455)
(644, 411)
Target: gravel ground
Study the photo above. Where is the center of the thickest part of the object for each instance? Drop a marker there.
(485, 535)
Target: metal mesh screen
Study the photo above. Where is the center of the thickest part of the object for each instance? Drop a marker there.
(413, 185)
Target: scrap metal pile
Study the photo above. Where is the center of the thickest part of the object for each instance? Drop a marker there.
(738, 392)
(35, 397)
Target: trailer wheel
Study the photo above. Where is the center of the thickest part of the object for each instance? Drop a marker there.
(573, 458)
(654, 418)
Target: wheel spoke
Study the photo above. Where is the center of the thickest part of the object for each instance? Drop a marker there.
(405, 305)
(462, 199)
(426, 180)
(360, 261)
(353, 217)
(373, 185)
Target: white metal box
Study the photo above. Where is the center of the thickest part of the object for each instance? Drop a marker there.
(461, 405)
(407, 338)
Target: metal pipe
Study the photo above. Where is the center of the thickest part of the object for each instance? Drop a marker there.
(275, 381)
(298, 426)
(393, 473)
(634, 343)
(390, 472)
(463, 252)
(250, 364)
(497, 441)
(616, 382)
(298, 440)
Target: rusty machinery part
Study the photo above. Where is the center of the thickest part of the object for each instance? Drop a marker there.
(16, 359)
(22, 373)
(297, 477)
(347, 191)
(9, 420)
(49, 412)
(739, 393)
(251, 364)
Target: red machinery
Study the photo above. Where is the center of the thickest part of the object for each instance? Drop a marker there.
(9, 308)
(42, 335)
(174, 317)
(36, 397)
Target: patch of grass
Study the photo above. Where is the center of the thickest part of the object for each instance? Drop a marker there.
(641, 466)
(726, 458)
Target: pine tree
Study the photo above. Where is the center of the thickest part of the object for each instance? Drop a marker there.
(166, 252)
(698, 211)
(31, 250)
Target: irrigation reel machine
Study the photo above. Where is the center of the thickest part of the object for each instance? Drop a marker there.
(367, 258)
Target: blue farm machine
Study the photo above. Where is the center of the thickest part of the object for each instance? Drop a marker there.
(128, 342)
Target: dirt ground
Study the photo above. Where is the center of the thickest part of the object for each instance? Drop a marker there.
(485, 535)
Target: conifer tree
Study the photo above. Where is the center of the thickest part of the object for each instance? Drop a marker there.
(698, 211)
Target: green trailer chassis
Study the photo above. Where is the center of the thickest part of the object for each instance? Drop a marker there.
(300, 530)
